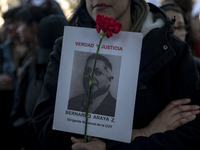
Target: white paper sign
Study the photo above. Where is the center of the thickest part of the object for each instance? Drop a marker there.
(115, 83)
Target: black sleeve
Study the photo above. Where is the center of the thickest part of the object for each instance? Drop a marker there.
(1, 59)
(44, 109)
(185, 85)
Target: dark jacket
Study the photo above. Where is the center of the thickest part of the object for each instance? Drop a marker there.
(29, 84)
(6, 60)
(20, 130)
(6, 96)
(167, 72)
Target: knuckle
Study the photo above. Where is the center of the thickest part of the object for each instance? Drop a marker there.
(188, 119)
(181, 115)
(179, 108)
(169, 126)
(193, 107)
(173, 103)
(181, 122)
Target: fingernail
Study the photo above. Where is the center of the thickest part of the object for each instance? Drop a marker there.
(193, 116)
(188, 100)
(197, 111)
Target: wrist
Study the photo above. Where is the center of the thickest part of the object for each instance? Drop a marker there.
(145, 132)
(138, 132)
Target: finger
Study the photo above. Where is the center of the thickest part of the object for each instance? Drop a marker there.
(184, 121)
(184, 108)
(184, 115)
(79, 146)
(176, 103)
(75, 140)
(94, 139)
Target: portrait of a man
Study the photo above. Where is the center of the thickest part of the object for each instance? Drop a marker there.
(101, 101)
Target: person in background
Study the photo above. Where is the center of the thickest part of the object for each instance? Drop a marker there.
(155, 2)
(196, 11)
(10, 52)
(21, 131)
(186, 7)
(49, 5)
(196, 16)
(27, 20)
(165, 2)
(3, 37)
(181, 26)
(167, 101)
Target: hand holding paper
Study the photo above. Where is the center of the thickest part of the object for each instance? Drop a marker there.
(94, 144)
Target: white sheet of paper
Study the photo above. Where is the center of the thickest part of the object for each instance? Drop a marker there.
(123, 51)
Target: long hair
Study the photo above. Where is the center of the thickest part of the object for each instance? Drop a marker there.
(81, 17)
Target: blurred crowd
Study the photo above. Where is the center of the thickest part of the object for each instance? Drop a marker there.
(189, 11)
(28, 36)
(30, 32)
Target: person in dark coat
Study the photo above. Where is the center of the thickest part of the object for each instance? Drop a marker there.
(21, 131)
(168, 93)
(181, 26)
(10, 52)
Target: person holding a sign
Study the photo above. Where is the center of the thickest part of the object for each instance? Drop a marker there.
(168, 95)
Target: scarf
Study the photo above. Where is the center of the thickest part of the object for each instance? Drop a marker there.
(144, 20)
(139, 12)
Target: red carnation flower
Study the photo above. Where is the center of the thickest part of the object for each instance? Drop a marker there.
(107, 25)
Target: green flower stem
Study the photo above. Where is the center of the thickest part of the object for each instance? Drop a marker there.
(86, 139)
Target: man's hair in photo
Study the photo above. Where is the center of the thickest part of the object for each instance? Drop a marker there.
(100, 57)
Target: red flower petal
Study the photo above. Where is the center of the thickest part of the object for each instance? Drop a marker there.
(107, 24)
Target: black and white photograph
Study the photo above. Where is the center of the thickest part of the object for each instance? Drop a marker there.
(105, 83)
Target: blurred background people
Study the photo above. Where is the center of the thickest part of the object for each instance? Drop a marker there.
(187, 7)
(21, 131)
(14, 59)
(181, 26)
(50, 6)
(28, 18)
(196, 11)
(16, 51)
(196, 16)
(180, 23)
(155, 2)
(10, 52)
(23, 62)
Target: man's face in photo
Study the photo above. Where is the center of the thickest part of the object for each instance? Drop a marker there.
(101, 77)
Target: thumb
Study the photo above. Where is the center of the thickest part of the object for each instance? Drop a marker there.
(75, 140)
